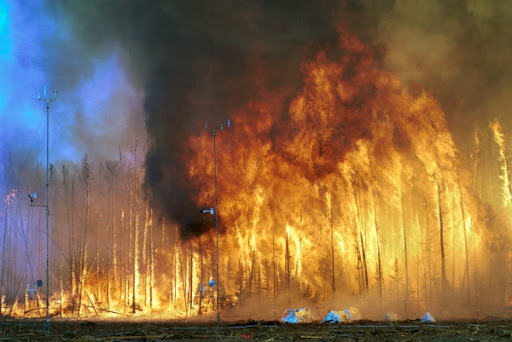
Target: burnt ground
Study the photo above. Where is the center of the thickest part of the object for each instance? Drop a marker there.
(102, 330)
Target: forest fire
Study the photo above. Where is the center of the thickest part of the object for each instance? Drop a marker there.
(358, 161)
(348, 191)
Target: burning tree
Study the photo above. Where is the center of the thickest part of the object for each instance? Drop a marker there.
(351, 185)
(354, 134)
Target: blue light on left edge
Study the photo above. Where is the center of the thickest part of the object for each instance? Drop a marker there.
(5, 38)
(5, 47)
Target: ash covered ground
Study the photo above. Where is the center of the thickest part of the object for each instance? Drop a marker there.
(169, 330)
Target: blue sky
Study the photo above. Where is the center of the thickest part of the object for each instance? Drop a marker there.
(97, 110)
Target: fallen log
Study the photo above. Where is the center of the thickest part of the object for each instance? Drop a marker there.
(90, 300)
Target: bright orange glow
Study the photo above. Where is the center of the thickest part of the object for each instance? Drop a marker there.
(384, 157)
(499, 138)
(347, 191)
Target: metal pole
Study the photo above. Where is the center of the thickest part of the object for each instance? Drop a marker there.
(46, 326)
(216, 216)
(47, 323)
(216, 229)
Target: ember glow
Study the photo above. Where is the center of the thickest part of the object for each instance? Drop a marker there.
(355, 174)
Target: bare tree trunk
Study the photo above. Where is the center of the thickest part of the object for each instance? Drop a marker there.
(453, 245)
(274, 265)
(404, 230)
(174, 273)
(123, 275)
(476, 157)
(441, 240)
(4, 247)
(98, 261)
(427, 259)
(73, 267)
(251, 274)
(151, 260)
(70, 224)
(145, 255)
(354, 223)
(135, 262)
(259, 285)
(162, 239)
(61, 291)
(465, 239)
(135, 189)
(182, 276)
(417, 280)
(287, 266)
(333, 274)
(130, 250)
(111, 167)
(360, 273)
(201, 276)
(115, 273)
(107, 266)
(379, 263)
(86, 177)
(364, 268)
(191, 278)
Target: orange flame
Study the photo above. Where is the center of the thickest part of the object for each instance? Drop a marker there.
(354, 136)
(499, 138)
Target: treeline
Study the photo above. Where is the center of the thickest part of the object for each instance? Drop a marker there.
(108, 250)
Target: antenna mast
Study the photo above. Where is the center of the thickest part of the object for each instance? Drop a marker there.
(47, 100)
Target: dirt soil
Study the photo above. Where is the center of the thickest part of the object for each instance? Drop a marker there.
(102, 330)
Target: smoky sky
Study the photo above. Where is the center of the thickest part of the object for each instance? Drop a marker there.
(197, 61)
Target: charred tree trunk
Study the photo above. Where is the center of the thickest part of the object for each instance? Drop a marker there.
(73, 262)
(145, 256)
(123, 277)
(71, 242)
(297, 267)
(136, 218)
(162, 239)
(182, 276)
(287, 266)
(151, 260)
(99, 277)
(404, 230)
(453, 245)
(135, 275)
(4, 247)
(364, 268)
(274, 266)
(465, 239)
(111, 167)
(379, 263)
(61, 287)
(428, 252)
(251, 275)
(441, 240)
(85, 177)
(130, 247)
(201, 276)
(115, 264)
(333, 274)
(191, 279)
(476, 157)
(259, 284)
